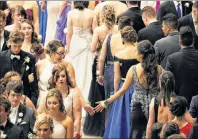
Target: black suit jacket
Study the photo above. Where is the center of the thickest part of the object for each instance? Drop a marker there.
(135, 15)
(30, 89)
(188, 21)
(193, 110)
(6, 38)
(152, 32)
(184, 66)
(25, 119)
(3, 5)
(12, 131)
(194, 132)
(169, 7)
(167, 46)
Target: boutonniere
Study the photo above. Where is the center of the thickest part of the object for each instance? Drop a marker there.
(20, 114)
(26, 60)
(3, 136)
(186, 4)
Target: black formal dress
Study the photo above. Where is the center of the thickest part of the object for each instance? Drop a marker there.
(95, 125)
(184, 66)
(24, 67)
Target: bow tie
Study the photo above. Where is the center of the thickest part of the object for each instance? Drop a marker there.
(15, 56)
(2, 127)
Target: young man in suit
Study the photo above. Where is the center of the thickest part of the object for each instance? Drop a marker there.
(153, 30)
(191, 20)
(20, 115)
(7, 129)
(4, 34)
(184, 66)
(179, 8)
(135, 14)
(22, 62)
(170, 44)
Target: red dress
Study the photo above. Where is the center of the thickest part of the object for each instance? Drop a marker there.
(186, 129)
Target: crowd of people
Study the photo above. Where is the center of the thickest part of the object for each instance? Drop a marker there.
(111, 69)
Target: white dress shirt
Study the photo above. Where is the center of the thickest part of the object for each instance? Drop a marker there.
(1, 40)
(13, 114)
(176, 3)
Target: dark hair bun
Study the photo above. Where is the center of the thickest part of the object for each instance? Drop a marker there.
(178, 106)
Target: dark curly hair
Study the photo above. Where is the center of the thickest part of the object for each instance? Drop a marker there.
(128, 34)
(81, 5)
(155, 131)
(124, 21)
(53, 46)
(169, 129)
(179, 106)
(55, 75)
(167, 87)
(149, 63)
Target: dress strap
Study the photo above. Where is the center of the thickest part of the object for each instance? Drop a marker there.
(109, 56)
(116, 58)
(134, 72)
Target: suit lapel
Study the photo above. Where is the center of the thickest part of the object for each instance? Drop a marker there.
(23, 65)
(8, 60)
(172, 5)
(20, 114)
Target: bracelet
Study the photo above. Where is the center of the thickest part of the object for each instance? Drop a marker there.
(105, 104)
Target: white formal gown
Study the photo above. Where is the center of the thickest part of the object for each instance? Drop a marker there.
(81, 58)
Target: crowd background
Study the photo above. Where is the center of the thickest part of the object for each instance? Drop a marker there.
(111, 69)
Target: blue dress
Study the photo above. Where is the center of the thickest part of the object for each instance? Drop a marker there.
(42, 22)
(118, 125)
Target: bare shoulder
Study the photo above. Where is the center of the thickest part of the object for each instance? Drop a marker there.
(67, 122)
(41, 63)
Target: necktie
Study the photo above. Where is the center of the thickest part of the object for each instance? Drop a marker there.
(178, 10)
(157, 5)
(15, 56)
(2, 127)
